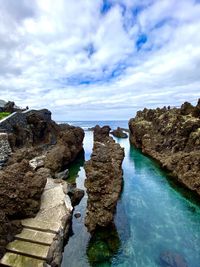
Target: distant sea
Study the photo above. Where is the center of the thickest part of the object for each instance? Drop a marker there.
(88, 124)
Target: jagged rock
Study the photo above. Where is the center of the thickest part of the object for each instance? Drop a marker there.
(172, 137)
(75, 194)
(9, 107)
(37, 162)
(20, 192)
(171, 259)
(62, 175)
(104, 179)
(101, 133)
(119, 133)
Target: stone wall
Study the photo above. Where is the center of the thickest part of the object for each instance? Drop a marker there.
(5, 149)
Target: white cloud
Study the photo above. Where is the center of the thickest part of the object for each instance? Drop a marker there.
(68, 56)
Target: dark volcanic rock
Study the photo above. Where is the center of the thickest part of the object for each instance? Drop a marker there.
(101, 133)
(75, 194)
(104, 179)
(20, 189)
(20, 192)
(32, 134)
(172, 137)
(119, 133)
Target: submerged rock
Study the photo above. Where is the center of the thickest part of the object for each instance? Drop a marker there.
(77, 215)
(104, 179)
(171, 259)
(172, 137)
(103, 245)
(119, 133)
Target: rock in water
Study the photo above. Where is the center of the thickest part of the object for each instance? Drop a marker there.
(119, 133)
(171, 259)
(172, 137)
(104, 179)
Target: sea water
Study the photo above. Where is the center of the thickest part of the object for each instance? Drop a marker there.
(153, 216)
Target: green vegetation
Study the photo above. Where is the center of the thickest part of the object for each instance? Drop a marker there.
(102, 246)
(3, 115)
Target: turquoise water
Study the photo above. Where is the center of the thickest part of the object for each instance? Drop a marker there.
(152, 217)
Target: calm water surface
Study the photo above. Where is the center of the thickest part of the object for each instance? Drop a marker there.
(152, 216)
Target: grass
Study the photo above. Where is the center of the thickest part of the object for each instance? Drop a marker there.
(4, 114)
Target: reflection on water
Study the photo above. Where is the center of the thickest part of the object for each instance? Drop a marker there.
(75, 167)
(153, 217)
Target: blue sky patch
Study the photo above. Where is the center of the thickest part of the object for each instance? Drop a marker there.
(106, 6)
(142, 39)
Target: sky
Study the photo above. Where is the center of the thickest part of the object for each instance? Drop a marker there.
(99, 59)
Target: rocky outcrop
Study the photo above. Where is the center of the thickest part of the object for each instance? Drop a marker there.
(50, 147)
(172, 137)
(9, 107)
(20, 192)
(104, 179)
(119, 133)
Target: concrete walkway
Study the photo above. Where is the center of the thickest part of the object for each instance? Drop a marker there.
(42, 235)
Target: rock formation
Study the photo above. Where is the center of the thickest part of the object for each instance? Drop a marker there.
(119, 133)
(172, 137)
(32, 135)
(104, 179)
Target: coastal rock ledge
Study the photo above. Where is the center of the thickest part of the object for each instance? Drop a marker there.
(104, 179)
(172, 137)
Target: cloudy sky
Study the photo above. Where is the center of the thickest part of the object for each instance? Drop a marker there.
(95, 59)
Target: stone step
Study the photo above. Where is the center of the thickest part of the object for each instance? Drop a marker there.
(35, 236)
(16, 260)
(43, 226)
(28, 249)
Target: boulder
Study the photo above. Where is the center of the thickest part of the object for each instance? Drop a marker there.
(75, 194)
(119, 133)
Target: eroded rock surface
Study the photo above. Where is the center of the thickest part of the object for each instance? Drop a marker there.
(172, 137)
(104, 179)
(50, 147)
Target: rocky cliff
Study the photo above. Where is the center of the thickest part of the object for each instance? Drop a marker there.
(172, 137)
(22, 181)
(104, 179)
